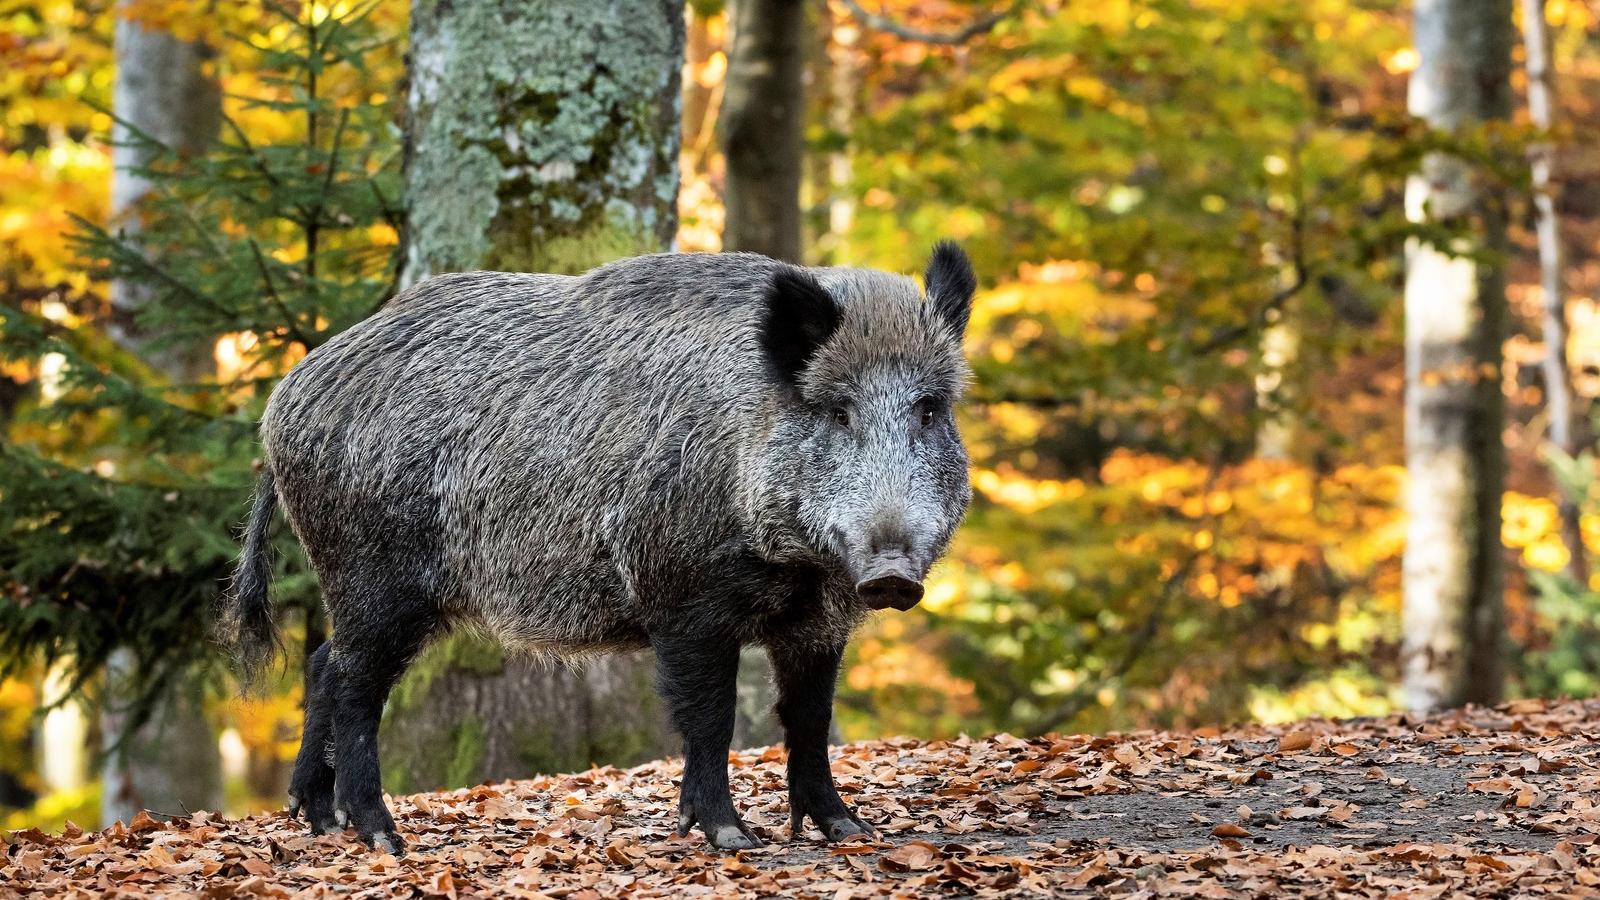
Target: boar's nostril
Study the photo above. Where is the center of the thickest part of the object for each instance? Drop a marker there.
(890, 592)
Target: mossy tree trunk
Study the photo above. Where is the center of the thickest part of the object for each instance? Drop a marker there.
(542, 137)
(1455, 305)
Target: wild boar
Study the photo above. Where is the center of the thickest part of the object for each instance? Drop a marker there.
(683, 452)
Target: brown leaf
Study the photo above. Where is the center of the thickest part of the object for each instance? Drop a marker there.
(281, 854)
(1341, 812)
(1293, 741)
(1489, 862)
(909, 857)
(442, 884)
(1229, 830)
(142, 822)
(618, 854)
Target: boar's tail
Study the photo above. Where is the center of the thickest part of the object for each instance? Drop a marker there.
(247, 623)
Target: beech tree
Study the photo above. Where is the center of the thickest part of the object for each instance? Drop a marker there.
(763, 111)
(1455, 322)
(1565, 422)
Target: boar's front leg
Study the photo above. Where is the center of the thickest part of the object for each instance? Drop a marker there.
(806, 677)
(697, 679)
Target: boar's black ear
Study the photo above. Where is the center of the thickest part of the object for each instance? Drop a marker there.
(950, 284)
(800, 316)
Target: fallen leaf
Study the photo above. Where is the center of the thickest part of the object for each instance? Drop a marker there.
(1294, 741)
(909, 857)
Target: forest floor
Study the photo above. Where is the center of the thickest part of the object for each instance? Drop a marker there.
(1480, 801)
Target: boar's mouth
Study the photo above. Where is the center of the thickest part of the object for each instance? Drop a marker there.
(890, 583)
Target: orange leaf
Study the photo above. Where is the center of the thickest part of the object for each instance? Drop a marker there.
(1294, 740)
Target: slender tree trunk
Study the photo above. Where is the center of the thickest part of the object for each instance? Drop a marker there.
(543, 137)
(699, 96)
(1564, 425)
(763, 113)
(844, 99)
(816, 75)
(163, 90)
(1455, 329)
(170, 764)
(1275, 391)
(1278, 387)
(63, 736)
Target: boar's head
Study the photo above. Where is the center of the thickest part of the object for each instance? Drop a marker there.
(875, 370)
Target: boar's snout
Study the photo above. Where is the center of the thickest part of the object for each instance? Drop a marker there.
(890, 583)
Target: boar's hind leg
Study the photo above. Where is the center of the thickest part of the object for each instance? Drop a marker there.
(375, 635)
(311, 786)
(805, 677)
(697, 679)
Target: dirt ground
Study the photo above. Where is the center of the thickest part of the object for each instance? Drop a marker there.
(1490, 802)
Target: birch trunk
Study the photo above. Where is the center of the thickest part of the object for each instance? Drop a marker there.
(1455, 315)
(844, 99)
(164, 91)
(543, 137)
(1564, 426)
(170, 764)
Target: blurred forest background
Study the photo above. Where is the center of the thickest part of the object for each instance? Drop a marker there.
(1244, 264)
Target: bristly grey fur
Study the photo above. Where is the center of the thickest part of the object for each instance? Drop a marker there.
(618, 460)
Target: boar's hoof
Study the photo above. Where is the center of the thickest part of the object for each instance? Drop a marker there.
(317, 810)
(386, 842)
(846, 826)
(377, 830)
(834, 826)
(730, 835)
(734, 837)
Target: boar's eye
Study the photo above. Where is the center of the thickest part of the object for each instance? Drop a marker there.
(928, 411)
(841, 415)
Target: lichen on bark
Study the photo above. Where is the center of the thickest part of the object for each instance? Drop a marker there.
(544, 135)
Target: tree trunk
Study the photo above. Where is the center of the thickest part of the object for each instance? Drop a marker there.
(63, 735)
(543, 137)
(763, 112)
(1276, 389)
(844, 99)
(163, 90)
(1456, 314)
(170, 764)
(1564, 425)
